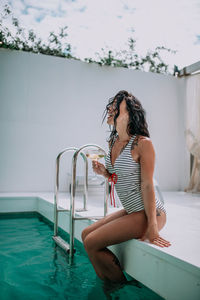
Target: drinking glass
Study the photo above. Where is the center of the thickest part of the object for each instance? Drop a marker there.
(94, 155)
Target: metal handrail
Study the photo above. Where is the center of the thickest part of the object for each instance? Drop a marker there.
(59, 241)
(56, 189)
(73, 191)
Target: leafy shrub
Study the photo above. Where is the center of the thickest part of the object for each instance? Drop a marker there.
(57, 45)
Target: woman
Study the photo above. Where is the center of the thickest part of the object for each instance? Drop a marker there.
(131, 161)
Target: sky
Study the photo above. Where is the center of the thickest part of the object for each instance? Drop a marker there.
(96, 24)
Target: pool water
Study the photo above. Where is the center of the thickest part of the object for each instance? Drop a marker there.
(33, 267)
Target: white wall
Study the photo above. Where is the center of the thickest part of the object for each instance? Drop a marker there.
(49, 103)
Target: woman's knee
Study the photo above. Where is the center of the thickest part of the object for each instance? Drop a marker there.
(90, 243)
(84, 234)
(93, 227)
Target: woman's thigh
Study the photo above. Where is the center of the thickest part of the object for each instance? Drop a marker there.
(126, 227)
(103, 221)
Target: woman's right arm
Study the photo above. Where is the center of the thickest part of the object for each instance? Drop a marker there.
(100, 169)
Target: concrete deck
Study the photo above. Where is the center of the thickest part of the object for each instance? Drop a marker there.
(177, 266)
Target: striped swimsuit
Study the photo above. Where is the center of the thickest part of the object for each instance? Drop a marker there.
(128, 186)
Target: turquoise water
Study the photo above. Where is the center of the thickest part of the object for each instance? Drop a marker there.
(32, 267)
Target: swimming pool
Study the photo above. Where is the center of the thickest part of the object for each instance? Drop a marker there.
(33, 267)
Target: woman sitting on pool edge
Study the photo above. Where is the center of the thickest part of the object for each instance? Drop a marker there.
(131, 157)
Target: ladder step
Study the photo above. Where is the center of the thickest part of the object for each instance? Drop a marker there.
(62, 243)
(80, 209)
(89, 218)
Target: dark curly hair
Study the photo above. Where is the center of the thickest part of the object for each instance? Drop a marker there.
(137, 115)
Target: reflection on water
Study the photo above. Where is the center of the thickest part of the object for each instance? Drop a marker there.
(33, 267)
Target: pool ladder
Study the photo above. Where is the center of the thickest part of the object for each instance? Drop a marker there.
(69, 247)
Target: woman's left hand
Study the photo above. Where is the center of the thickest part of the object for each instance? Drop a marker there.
(153, 236)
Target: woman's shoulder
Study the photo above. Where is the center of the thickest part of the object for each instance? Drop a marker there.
(145, 143)
(140, 139)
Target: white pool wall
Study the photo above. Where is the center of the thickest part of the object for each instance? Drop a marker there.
(50, 103)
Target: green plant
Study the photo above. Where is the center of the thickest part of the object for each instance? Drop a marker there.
(58, 45)
(151, 62)
(28, 41)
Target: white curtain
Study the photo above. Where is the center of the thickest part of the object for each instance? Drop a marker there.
(192, 132)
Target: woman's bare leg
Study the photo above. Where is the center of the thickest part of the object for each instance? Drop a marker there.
(116, 231)
(102, 222)
(98, 224)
